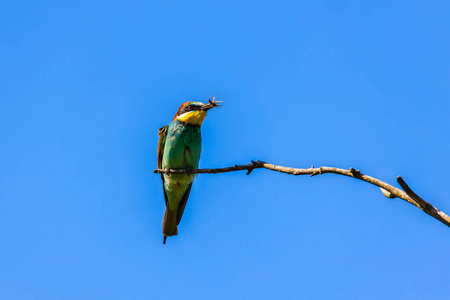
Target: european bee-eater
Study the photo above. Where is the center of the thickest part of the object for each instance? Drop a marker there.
(179, 147)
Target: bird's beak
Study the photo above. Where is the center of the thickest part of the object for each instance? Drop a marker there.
(211, 104)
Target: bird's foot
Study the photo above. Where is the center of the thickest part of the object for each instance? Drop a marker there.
(189, 170)
(167, 171)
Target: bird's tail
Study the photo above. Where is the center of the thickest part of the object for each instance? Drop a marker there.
(169, 226)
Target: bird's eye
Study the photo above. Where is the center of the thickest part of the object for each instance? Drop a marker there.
(191, 107)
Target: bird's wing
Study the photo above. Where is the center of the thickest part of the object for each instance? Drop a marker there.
(162, 142)
(182, 204)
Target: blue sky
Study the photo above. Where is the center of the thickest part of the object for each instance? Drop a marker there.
(84, 86)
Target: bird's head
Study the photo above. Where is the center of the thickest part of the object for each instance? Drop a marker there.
(193, 112)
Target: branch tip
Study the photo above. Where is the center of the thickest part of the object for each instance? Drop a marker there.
(427, 207)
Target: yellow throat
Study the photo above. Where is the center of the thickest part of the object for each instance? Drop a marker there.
(195, 117)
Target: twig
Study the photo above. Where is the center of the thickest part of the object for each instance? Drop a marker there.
(388, 190)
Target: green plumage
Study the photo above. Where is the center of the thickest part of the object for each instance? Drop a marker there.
(182, 146)
(179, 148)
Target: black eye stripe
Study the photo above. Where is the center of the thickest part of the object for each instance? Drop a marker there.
(188, 108)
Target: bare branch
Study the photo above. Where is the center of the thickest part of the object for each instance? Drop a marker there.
(388, 190)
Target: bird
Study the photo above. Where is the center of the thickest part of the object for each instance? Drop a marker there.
(179, 147)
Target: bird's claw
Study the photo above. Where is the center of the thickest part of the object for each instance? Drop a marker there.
(189, 170)
(167, 171)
